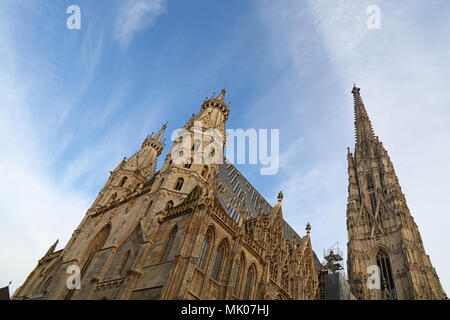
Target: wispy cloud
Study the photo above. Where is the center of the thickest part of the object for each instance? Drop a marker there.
(135, 16)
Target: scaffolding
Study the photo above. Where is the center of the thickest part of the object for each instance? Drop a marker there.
(334, 261)
(332, 280)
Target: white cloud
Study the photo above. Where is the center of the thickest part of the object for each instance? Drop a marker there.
(135, 16)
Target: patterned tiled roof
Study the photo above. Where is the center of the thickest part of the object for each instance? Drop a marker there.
(237, 190)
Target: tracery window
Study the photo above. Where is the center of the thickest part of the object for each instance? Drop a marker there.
(373, 202)
(206, 245)
(251, 275)
(218, 262)
(386, 280)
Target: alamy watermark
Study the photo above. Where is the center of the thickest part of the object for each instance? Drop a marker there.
(74, 20)
(374, 279)
(74, 280)
(206, 147)
(374, 19)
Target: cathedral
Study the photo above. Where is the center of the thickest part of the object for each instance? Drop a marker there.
(198, 230)
(191, 230)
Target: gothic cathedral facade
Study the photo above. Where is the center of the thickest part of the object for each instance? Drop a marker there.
(386, 257)
(188, 231)
(200, 230)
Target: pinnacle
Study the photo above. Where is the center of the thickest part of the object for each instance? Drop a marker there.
(221, 96)
(160, 134)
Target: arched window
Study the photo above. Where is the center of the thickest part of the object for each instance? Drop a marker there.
(237, 278)
(218, 262)
(373, 202)
(188, 164)
(169, 204)
(204, 171)
(251, 276)
(386, 280)
(96, 244)
(122, 182)
(169, 244)
(206, 245)
(124, 261)
(179, 184)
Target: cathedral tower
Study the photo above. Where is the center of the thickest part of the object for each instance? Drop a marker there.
(386, 256)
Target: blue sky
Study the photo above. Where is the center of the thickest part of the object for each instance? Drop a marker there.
(73, 103)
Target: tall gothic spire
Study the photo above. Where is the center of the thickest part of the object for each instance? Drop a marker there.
(363, 126)
(381, 230)
(156, 141)
(160, 134)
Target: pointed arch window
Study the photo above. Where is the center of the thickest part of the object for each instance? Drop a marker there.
(218, 262)
(122, 182)
(96, 244)
(386, 280)
(204, 251)
(373, 202)
(179, 184)
(251, 276)
(169, 245)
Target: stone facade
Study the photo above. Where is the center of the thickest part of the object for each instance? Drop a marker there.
(189, 231)
(381, 230)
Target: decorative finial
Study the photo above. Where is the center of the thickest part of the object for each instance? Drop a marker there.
(308, 229)
(221, 96)
(280, 197)
(355, 89)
